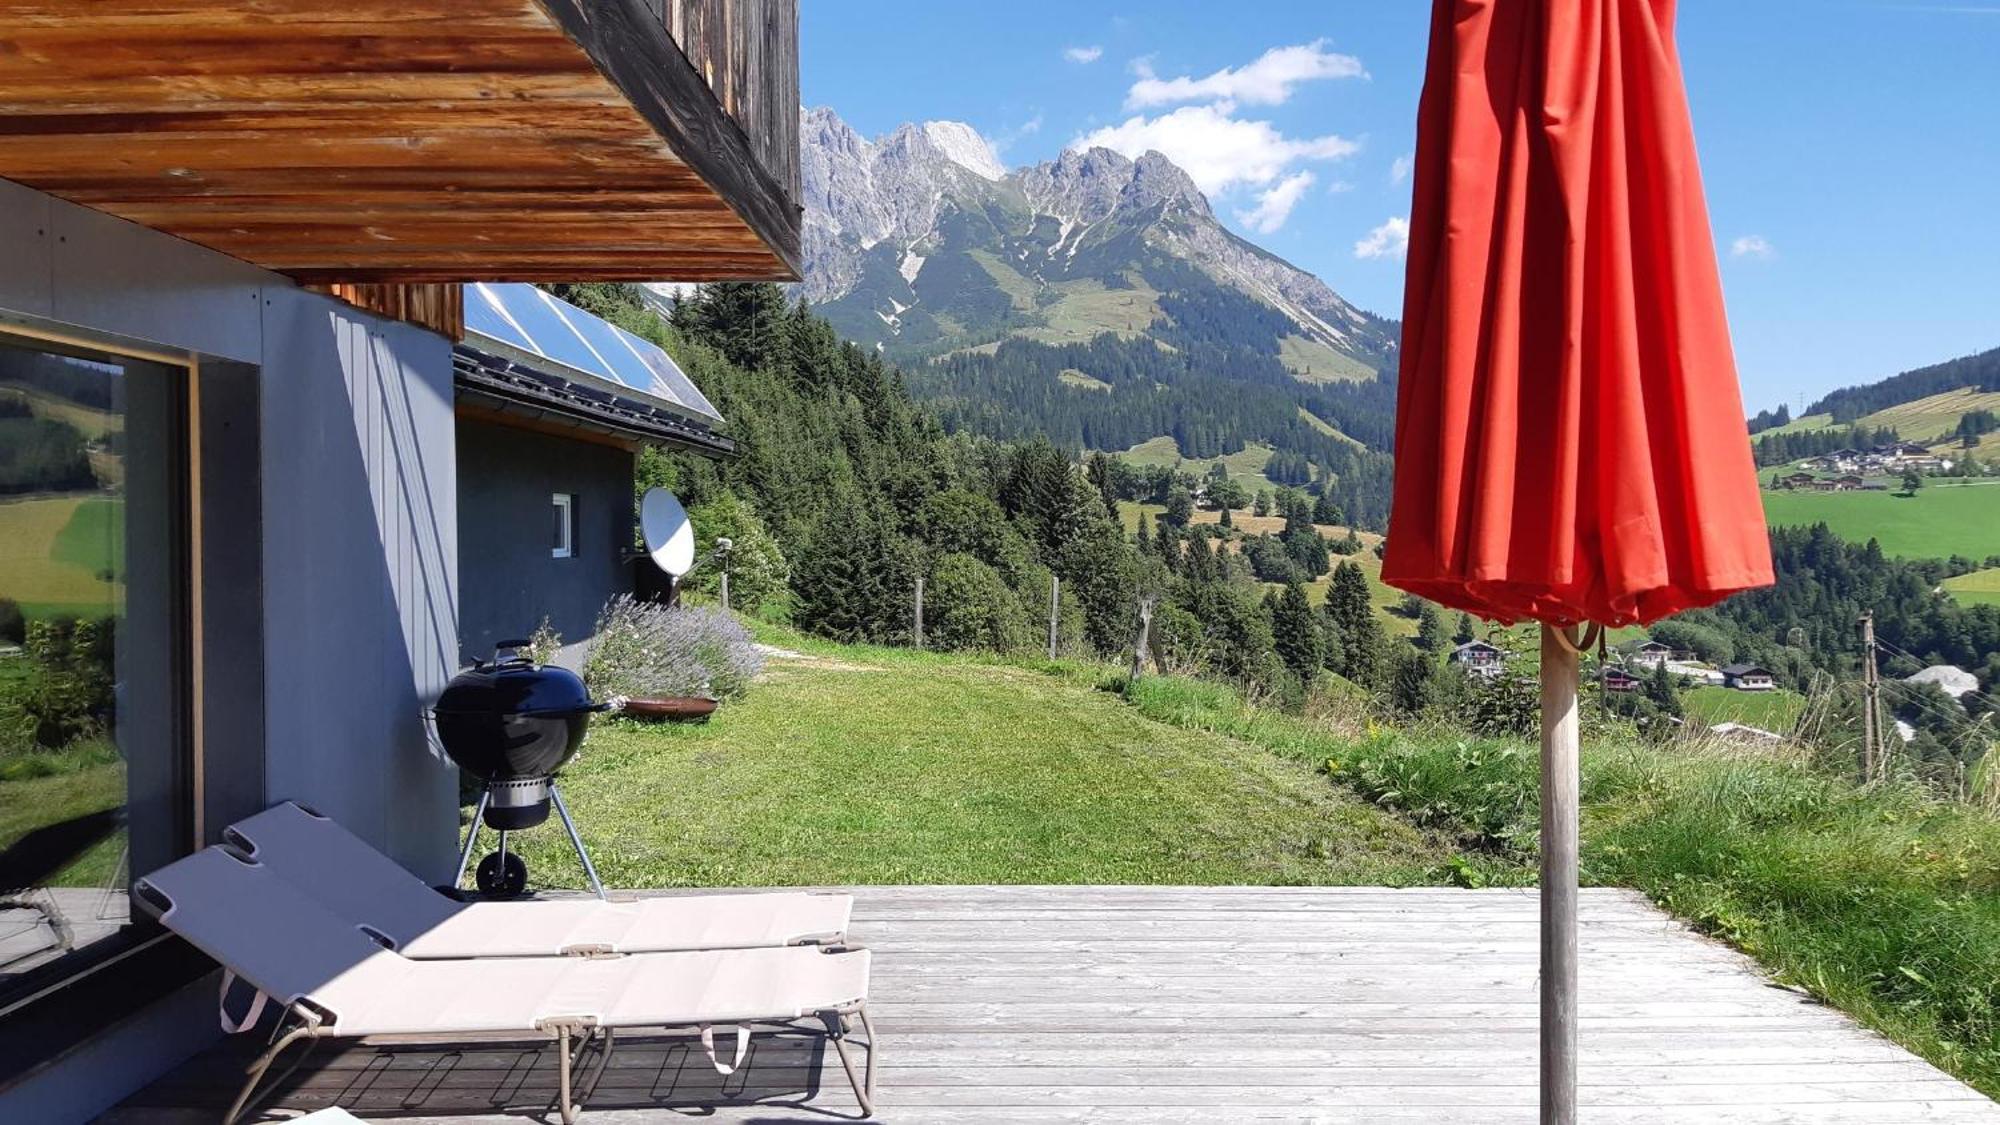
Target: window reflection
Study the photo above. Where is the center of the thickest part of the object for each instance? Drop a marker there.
(90, 761)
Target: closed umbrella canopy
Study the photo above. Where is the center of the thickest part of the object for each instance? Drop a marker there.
(1570, 440)
(1570, 443)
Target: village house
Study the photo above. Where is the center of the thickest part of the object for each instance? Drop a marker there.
(1748, 677)
(1619, 680)
(1479, 658)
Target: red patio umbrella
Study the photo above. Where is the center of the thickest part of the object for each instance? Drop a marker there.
(1570, 442)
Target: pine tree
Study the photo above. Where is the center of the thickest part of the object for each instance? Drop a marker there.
(1466, 632)
(1430, 629)
(1413, 685)
(1661, 692)
(1296, 633)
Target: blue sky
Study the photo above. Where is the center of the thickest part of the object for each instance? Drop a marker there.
(1851, 149)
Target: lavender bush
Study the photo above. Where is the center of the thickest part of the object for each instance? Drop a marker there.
(647, 650)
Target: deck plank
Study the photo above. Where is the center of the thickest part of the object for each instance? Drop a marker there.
(1200, 1004)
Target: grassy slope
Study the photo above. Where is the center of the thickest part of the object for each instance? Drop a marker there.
(876, 766)
(1928, 419)
(1771, 710)
(1879, 901)
(1246, 466)
(1981, 587)
(1942, 519)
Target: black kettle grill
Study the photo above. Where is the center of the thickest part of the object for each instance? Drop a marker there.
(513, 724)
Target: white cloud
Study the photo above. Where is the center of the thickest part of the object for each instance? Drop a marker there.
(1390, 240)
(1399, 169)
(1753, 246)
(1085, 55)
(1215, 147)
(1267, 81)
(1340, 187)
(1275, 205)
(1011, 137)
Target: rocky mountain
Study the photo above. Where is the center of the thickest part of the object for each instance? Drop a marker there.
(924, 243)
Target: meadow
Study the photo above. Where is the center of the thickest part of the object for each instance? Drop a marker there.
(1776, 711)
(1981, 587)
(54, 551)
(1944, 518)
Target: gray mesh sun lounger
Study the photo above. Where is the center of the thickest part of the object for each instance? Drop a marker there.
(342, 873)
(334, 980)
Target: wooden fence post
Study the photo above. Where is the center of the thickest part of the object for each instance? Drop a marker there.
(1055, 611)
(920, 613)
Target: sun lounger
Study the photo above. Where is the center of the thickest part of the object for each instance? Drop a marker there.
(336, 981)
(341, 872)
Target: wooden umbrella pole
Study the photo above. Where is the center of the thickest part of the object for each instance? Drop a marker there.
(1560, 667)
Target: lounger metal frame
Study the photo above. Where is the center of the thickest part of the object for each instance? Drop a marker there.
(837, 1024)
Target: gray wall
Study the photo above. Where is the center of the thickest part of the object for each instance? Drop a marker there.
(354, 585)
(508, 581)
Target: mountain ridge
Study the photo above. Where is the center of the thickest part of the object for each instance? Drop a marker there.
(922, 242)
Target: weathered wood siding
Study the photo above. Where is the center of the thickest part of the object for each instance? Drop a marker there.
(440, 308)
(748, 52)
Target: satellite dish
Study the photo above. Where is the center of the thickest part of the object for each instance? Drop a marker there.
(669, 535)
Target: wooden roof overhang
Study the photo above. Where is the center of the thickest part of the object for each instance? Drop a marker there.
(359, 142)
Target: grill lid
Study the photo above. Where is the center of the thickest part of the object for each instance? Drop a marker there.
(515, 685)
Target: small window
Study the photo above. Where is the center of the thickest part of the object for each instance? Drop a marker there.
(563, 545)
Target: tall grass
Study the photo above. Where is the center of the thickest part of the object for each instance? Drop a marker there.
(1880, 900)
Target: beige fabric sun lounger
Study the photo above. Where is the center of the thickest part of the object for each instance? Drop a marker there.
(335, 981)
(341, 872)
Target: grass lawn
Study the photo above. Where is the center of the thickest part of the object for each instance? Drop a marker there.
(1770, 710)
(1981, 587)
(879, 766)
(1942, 519)
(88, 784)
(52, 549)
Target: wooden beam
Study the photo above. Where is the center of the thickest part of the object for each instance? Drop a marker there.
(386, 142)
(631, 47)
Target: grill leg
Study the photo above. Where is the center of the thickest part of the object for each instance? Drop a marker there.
(471, 834)
(576, 841)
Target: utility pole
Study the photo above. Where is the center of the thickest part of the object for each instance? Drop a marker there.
(1872, 752)
(1055, 611)
(919, 629)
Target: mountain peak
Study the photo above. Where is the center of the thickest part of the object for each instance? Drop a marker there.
(962, 145)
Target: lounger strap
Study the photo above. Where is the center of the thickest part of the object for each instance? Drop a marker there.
(250, 1017)
(742, 1048)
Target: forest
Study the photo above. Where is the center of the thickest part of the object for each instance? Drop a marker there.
(848, 490)
(1208, 389)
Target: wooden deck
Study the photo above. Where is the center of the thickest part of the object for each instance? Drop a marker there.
(1219, 1004)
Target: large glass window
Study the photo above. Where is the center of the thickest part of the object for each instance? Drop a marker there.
(96, 775)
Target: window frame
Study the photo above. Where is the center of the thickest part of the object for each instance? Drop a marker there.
(565, 547)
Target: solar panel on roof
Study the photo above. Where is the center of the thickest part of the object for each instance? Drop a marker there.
(531, 326)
